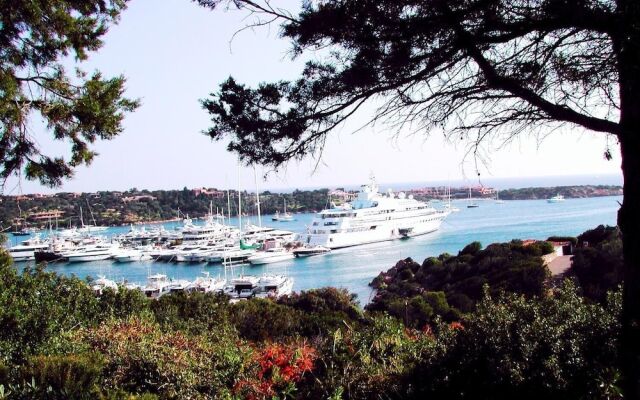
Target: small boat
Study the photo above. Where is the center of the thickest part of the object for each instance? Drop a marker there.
(179, 285)
(270, 256)
(472, 204)
(23, 232)
(243, 287)
(157, 286)
(234, 256)
(99, 285)
(131, 255)
(274, 286)
(284, 217)
(311, 251)
(206, 284)
(451, 208)
(556, 199)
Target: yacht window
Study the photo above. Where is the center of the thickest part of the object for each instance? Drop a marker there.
(334, 231)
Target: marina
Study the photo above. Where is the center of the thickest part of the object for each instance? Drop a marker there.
(354, 267)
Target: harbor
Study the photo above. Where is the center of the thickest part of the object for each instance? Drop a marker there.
(354, 267)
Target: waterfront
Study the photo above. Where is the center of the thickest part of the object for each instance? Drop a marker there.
(354, 268)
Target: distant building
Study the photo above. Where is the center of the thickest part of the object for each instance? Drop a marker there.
(45, 215)
(211, 192)
(343, 195)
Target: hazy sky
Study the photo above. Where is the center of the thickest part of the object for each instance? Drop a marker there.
(174, 53)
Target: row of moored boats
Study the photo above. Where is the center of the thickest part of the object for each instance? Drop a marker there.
(241, 287)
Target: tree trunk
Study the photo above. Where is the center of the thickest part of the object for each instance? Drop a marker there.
(627, 44)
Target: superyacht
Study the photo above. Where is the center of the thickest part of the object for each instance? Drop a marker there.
(373, 217)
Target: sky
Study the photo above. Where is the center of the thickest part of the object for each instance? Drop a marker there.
(174, 53)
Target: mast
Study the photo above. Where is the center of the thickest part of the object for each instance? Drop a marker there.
(91, 212)
(239, 201)
(255, 178)
(229, 205)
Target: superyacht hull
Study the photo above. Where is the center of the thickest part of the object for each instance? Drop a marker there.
(382, 233)
(88, 257)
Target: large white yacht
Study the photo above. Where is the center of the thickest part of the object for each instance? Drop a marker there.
(26, 249)
(373, 217)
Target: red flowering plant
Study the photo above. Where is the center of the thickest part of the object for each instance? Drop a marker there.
(278, 368)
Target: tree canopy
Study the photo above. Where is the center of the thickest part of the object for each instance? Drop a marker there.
(37, 40)
(479, 66)
(477, 69)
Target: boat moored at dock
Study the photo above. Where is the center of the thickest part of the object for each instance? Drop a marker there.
(373, 217)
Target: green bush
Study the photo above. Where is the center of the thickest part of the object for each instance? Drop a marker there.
(74, 376)
(514, 347)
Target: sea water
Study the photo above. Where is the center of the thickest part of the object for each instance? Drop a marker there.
(353, 268)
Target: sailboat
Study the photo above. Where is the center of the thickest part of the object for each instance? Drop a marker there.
(498, 201)
(449, 206)
(285, 216)
(87, 229)
(472, 204)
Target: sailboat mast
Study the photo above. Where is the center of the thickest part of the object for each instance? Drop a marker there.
(239, 203)
(255, 178)
(229, 206)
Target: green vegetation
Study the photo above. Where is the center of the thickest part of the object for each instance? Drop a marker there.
(569, 192)
(132, 206)
(597, 262)
(37, 39)
(513, 338)
(117, 208)
(448, 286)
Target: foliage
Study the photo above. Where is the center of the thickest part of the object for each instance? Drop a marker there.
(427, 65)
(110, 208)
(598, 266)
(513, 347)
(278, 367)
(140, 357)
(447, 286)
(571, 239)
(74, 376)
(34, 39)
(35, 306)
(515, 340)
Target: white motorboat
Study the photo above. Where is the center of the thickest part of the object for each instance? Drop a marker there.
(157, 286)
(260, 233)
(556, 199)
(270, 256)
(206, 284)
(96, 252)
(99, 285)
(233, 256)
(26, 249)
(179, 285)
(308, 251)
(274, 286)
(194, 255)
(243, 287)
(131, 255)
(373, 217)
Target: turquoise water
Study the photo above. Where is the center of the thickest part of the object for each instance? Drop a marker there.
(353, 268)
